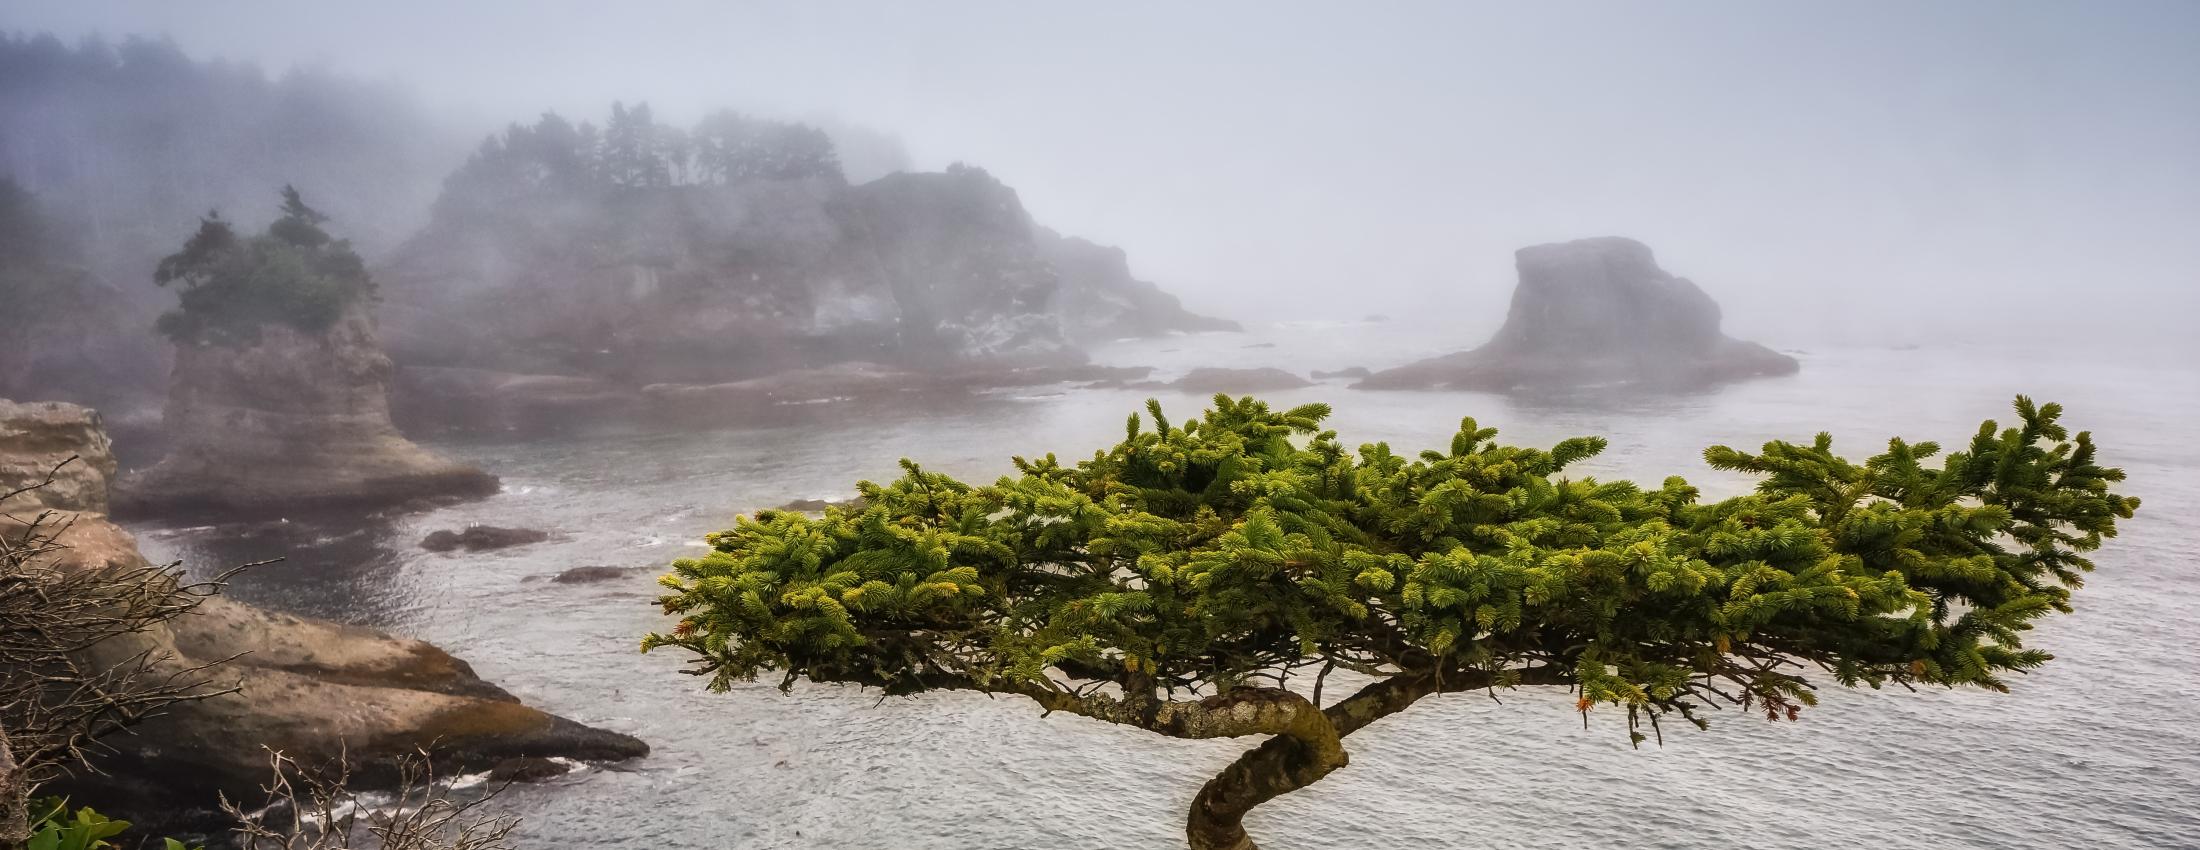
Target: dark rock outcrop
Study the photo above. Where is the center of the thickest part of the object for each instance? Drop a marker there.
(481, 538)
(313, 689)
(527, 769)
(591, 575)
(1596, 312)
(296, 422)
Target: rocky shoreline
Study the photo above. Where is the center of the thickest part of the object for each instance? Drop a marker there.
(316, 690)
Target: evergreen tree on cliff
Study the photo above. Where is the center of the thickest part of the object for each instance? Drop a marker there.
(1206, 580)
(294, 274)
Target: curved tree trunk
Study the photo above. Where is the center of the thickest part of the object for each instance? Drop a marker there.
(1296, 759)
(1278, 766)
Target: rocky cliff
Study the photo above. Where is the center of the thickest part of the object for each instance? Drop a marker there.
(1596, 312)
(310, 688)
(294, 421)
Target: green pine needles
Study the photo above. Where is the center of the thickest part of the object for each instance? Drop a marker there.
(1205, 580)
(295, 274)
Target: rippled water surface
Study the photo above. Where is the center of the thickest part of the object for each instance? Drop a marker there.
(2100, 749)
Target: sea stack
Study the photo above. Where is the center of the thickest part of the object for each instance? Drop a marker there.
(297, 421)
(279, 402)
(1596, 312)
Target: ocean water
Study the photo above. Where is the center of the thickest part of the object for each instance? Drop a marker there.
(2100, 749)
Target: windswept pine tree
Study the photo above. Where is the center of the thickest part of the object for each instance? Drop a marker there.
(1206, 580)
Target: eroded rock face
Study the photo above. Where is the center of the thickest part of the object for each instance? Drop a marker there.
(1101, 301)
(296, 422)
(481, 538)
(1596, 312)
(38, 441)
(310, 688)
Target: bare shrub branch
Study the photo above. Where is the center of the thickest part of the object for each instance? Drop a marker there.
(70, 671)
(315, 809)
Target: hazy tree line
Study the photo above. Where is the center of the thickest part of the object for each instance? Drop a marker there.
(115, 149)
(633, 151)
(127, 143)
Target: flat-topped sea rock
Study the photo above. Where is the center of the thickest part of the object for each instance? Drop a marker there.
(293, 422)
(1596, 312)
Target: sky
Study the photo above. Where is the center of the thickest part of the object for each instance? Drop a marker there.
(1826, 171)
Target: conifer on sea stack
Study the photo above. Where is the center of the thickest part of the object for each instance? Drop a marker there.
(279, 402)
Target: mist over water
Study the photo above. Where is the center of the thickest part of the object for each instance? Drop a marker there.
(1932, 208)
(2090, 751)
(1910, 171)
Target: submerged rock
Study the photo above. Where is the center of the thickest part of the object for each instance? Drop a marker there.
(315, 690)
(481, 538)
(1208, 380)
(590, 575)
(1596, 312)
(294, 422)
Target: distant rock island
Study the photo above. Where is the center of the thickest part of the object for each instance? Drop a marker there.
(560, 252)
(1596, 312)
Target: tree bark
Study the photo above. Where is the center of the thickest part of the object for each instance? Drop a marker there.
(1300, 757)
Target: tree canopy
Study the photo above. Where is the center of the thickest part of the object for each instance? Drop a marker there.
(295, 274)
(555, 158)
(1191, 579)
